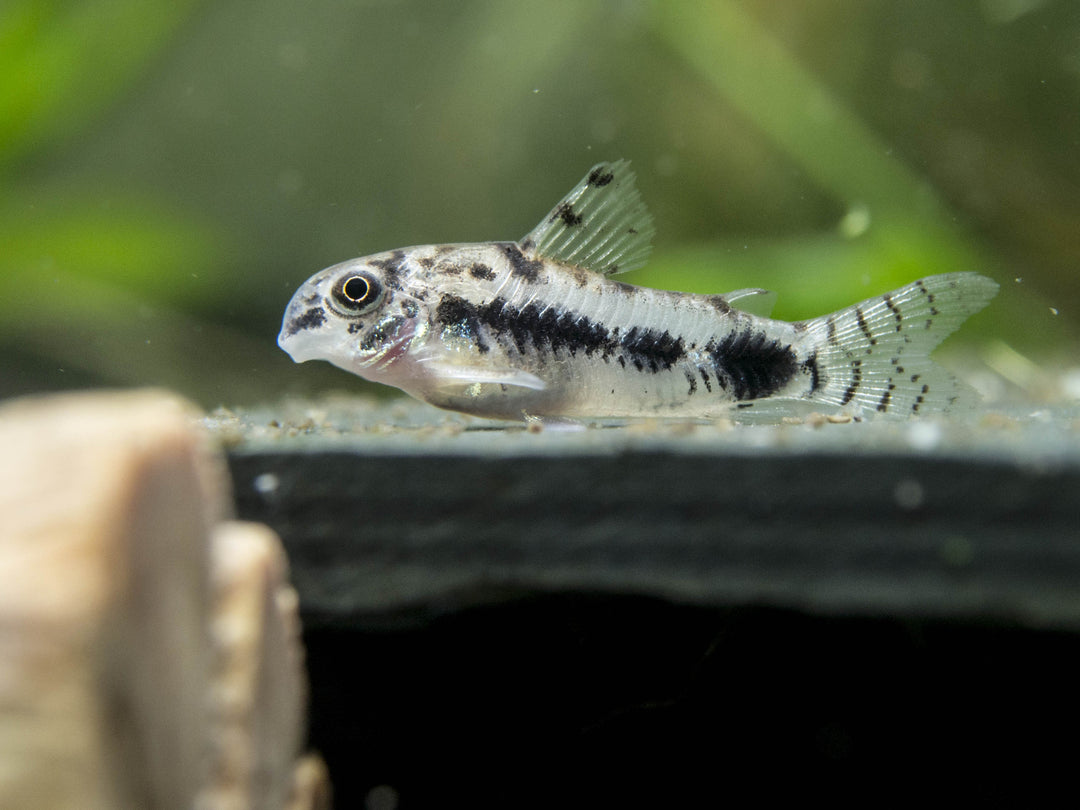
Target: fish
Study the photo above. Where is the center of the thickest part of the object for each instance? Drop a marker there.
(537, 329)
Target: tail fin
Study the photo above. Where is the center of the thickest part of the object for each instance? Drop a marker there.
(874, 356)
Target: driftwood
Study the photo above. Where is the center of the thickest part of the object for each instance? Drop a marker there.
(150, 652)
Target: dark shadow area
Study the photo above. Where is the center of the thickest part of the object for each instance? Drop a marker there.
(590, 701)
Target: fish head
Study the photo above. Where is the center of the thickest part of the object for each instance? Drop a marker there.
(357, 315)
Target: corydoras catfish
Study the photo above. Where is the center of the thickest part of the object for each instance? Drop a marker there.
(538, 329)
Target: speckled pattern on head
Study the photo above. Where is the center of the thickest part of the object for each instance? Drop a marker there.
(538, 328)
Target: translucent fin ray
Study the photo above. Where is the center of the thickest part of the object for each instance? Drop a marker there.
(601, 225)
(874, 355)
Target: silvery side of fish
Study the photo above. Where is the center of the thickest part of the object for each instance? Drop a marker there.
(538, 328)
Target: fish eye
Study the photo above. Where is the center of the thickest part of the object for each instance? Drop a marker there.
(357, 292)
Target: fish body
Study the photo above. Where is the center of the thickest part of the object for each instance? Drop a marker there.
(538, 328)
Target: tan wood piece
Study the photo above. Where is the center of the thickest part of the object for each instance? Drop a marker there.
(150, 652)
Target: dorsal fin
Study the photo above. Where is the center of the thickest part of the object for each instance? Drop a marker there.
(601, 225)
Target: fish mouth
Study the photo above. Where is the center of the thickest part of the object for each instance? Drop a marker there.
(298, 349)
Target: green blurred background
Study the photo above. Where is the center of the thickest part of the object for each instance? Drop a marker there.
(170, 172)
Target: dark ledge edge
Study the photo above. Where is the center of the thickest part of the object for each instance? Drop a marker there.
(382, 530)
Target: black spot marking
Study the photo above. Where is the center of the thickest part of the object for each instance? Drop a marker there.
(887, 298)
(391, 268)
(883, 403)
(482, 272)
(624, 288)
(373, 339)
(719, 303)
(811, 365)
(599, 178)
(520, 265)
(426, 262)
(856, 379)
(751, 364)
(926, 389)
(934, 311)
(355, 327)
(565, 212)
(311, 319)
(799, 326)
(706, 380)
(378, 336)
(450, 269)
(918, 402)
(409, 309)
(692, 380)
(580, 274)
(831, 337)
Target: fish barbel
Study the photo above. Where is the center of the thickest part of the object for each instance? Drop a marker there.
(538, 328)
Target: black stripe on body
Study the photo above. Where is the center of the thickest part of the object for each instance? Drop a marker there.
(554, 331)
(751, 364)
(647, 347)
(461, 317)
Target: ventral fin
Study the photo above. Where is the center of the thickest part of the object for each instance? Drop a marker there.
(452, 375)
(601, 225)
(752, 301)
